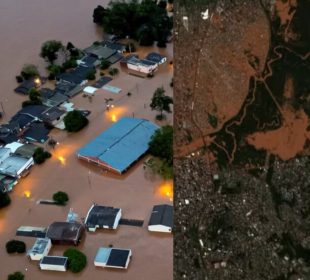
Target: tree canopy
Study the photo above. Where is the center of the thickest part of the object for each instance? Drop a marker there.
(29, 71)
(61, 197)
(40, 155)
(161, 102)
(75, 121)
(144, 22)
(76, 259)
(15, 246)
(50, 49)
(16, 276)
(161, 144)
(4, 200)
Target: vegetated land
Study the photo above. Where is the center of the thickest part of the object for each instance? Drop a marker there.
(252, 77)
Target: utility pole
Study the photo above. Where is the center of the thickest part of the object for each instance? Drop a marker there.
(88, 178)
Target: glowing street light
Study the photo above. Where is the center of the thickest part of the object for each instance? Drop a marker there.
(27, 194)
(37, 81)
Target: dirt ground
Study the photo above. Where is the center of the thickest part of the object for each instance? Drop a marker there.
(136, 192)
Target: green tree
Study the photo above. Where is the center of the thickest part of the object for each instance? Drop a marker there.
(71, 63)
(161, 102)
(15, 246)
(50, 49)
(76, 259)
(104, 64)
(146, 36)
(75, 121)
(91, 75)
(161, 144)
(40, 155)
(16, 276)
(99, 14)
(29, 71)
(113, 71)
(61, 197)
(34, 95)
(4, 200)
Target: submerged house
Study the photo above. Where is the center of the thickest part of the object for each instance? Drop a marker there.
(142, 65)
(161, 218)
(40, 249)
(156, 57)
(77, 77)
(120, 146)
(65, 233)
(13, 166)
(102, 217)
(113, 257)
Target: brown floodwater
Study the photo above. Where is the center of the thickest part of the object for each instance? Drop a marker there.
(24, 26)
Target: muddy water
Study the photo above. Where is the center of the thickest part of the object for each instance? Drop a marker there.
(24, 26)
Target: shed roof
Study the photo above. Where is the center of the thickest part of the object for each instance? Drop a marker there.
(121, 144)
(162, 215)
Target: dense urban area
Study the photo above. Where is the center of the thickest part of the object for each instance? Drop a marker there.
(241, 142)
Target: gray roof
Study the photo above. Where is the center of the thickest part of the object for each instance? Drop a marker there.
(27, 150)
(65, 231)
(101, 216)
(114, 46)
(52, 114)
(155, 57)
(52, 98)
(12, 165)
(54, 260)
(162, 215)
(100, 51)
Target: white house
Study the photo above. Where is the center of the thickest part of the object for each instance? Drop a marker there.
(40, 249)
(55, 263)
(142, 65)
(102, 217)
(161, 219)
(156, 57)
(113, 257)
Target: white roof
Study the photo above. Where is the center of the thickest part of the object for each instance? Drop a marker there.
(90, 89)
(68, 106)
(13, 146)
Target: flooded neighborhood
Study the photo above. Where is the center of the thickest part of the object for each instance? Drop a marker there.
(24, 27)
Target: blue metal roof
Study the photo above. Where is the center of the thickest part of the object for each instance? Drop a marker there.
(121, 144)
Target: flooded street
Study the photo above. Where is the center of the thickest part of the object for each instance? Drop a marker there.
(24, 27)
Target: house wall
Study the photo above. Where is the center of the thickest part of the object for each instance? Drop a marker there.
(117, 219)
(160, 228)
(53, 267)
(29, 163)
(142, 68)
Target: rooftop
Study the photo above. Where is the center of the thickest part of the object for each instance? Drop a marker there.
(162, 215)
(65, 231)
(102, 216)
(39, 246)
(121, 144)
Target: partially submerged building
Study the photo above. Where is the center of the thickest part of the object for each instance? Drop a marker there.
(53, 116)
(113, 257)
(66, 233)
(121, 145)
(161, 218)
(142, 65)
(13, 166)
(102, 217)
(52, 98)
(156, 57)
(77, 76)
(54, 263)
(40, 249)
(25, 87)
